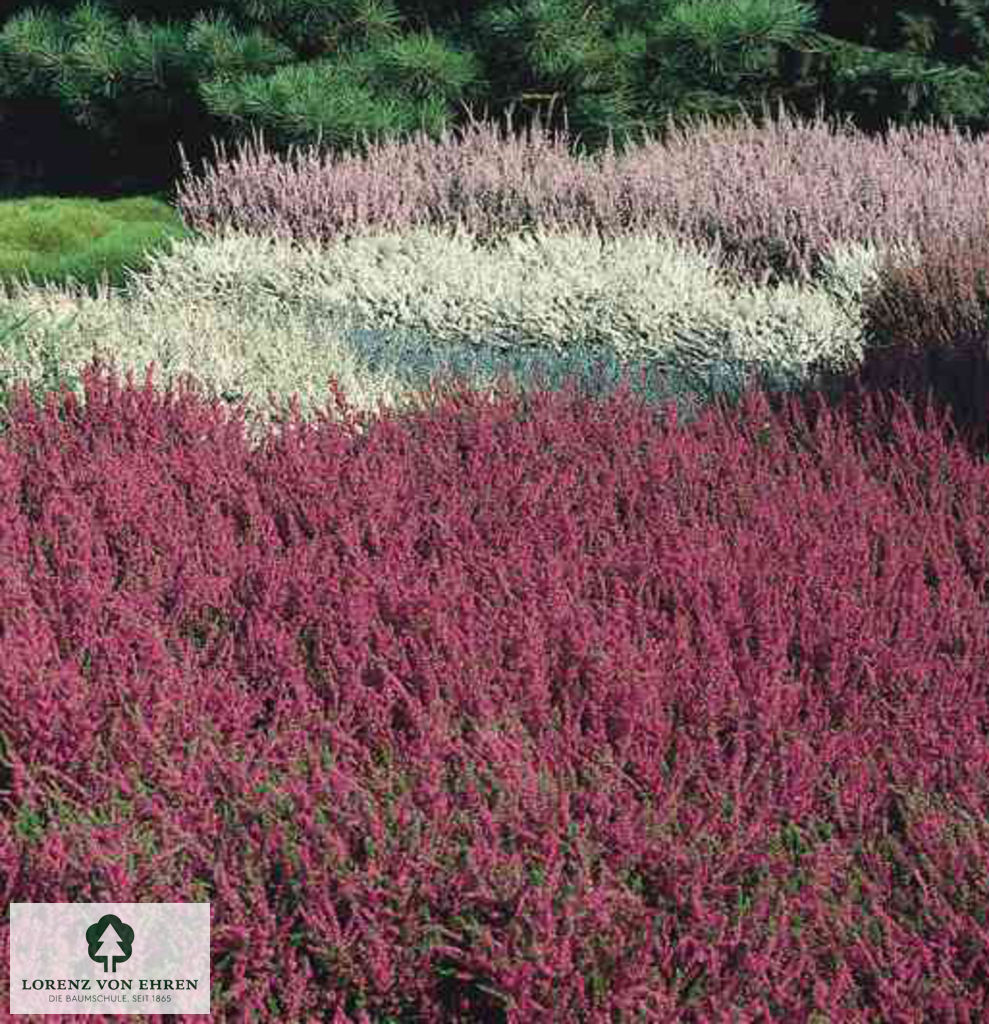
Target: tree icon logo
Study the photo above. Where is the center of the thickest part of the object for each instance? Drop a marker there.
(110, 941)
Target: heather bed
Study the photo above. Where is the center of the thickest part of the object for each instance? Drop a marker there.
(517, 698)
(772, 233)
(637, 707)
(389, 314)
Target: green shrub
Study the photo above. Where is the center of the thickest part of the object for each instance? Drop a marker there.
(89, 241)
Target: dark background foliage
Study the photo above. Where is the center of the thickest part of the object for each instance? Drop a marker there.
(95, 96)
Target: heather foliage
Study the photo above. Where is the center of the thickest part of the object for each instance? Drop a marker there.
(517, 704)
(692, 216)
(768, 200)
(692, 717)
(412, 307)
(635, 295)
